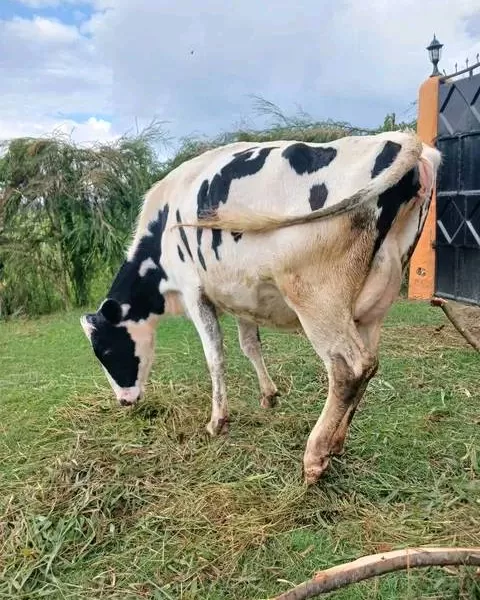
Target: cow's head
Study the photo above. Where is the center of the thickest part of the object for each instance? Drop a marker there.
(124, 348)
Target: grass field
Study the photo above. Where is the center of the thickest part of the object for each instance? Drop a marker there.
(98, 502)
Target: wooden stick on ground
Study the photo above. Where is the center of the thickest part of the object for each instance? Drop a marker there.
(379, 564)
(455, 320)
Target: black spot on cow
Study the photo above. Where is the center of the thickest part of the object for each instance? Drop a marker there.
(318, 196)
(390, 202)
(142, 293)
(308, 159)
(244, 151)
(386, 157)
(237, 235)
(216, 241)
(115, 349)
(180, 254)
(201, 258)
(183, 235)
(203, 200)
(423, 208)
(212, 194)
(420, 215)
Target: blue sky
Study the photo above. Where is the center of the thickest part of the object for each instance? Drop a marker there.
(98, 68)
(67, 12)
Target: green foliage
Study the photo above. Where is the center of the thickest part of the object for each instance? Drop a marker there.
(67, 212)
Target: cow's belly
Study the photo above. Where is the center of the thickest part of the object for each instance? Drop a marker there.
(260, 303)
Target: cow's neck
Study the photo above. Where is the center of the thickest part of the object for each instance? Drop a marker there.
(137, 284)
(136, 289)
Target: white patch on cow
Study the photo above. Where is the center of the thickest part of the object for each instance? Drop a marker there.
(125, 308)
(87, 327)
(129, 395)
(143, 336)
(254, 155)
(147, 265)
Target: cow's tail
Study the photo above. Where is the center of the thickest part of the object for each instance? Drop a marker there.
(243, 219)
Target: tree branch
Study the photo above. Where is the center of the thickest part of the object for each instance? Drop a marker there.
(455, 320)
(379, 564)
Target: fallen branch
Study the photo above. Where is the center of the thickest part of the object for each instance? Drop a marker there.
(455, 320)
(379, 564)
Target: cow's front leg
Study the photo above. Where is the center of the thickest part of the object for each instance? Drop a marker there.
(249, 338)
(204, 317)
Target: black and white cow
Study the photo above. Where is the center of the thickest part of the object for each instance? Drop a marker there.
(283, 234)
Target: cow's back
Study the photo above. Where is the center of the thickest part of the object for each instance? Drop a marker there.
(239, 272)
(286, 177)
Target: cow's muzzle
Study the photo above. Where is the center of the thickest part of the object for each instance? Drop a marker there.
(128, 396)
(129, 399)
(125, 402)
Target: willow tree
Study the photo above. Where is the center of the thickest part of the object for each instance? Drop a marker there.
(65, 214)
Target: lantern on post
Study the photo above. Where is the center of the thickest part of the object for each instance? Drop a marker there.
(434, 53)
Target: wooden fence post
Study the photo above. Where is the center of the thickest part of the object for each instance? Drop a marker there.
(421, 283)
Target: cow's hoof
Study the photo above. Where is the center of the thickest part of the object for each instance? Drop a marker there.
(313, 473)
(218, 427)
(338, 448)
(269, 400)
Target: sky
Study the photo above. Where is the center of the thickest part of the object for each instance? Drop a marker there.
(97, 69)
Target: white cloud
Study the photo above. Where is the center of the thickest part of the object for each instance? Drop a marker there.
(52, 3)
(390, 60)
(44, 4)
(50, 69)
(395, 52)
(43, 31)
(352, 60)
(197, 64)
(90, 131)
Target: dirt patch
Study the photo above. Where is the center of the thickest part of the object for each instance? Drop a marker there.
(423, 340)
(468, 316)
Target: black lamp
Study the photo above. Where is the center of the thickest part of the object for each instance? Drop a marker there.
(435, 52)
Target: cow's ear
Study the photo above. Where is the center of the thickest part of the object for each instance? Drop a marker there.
(112, 311)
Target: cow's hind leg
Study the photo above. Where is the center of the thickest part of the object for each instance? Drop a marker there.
(249, 338)
(204, 317)
(350, 365)
(331, 329)
(370, 334)
(375, 299)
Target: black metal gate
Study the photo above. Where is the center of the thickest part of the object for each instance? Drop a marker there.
(458, 191)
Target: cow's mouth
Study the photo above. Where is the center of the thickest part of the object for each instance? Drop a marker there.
(125, 403)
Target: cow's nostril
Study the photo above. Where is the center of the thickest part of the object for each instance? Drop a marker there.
(124, 402)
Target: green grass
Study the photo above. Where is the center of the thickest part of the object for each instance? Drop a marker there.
(98, 502)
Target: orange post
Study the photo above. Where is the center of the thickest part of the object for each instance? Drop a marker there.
(421, 283)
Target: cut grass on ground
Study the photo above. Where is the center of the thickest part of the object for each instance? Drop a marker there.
(98, 502)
